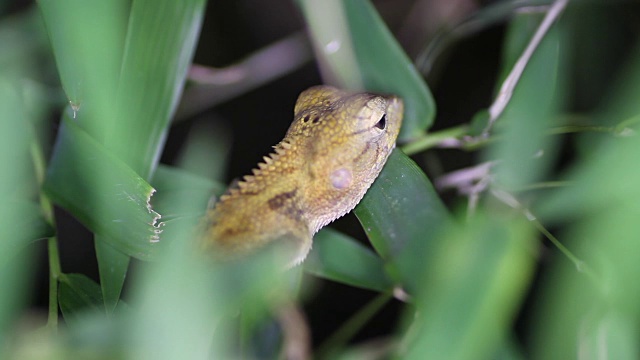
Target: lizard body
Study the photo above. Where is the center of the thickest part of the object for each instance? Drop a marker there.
(331, 154)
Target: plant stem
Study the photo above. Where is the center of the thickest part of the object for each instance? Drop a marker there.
(509, 84)
(352, 326)
(567, 129)
(580, 265)
(55, 269)
(433, 139)
(54, 274)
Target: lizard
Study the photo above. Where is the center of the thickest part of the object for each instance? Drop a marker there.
(332, 152)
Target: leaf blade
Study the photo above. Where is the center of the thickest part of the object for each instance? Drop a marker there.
(402, 192)
(102, 192)
(337, 257)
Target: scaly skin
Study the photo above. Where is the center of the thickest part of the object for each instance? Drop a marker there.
(331, 154)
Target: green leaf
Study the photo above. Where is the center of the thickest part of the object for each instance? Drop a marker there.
(471, 289)
(183, 305)
(174, 184)
(402, 215)
(385, 67)
(600, 211)
(20, 219)
(355, 50)
(137, 66)
(337, 257)
(482, 18)
(21, 223)
(87, 39)
(78, 294)
(205, 151)
(159, 46)
(102, 192)
(113, 265)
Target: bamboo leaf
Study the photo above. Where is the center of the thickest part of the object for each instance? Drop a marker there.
(102, 192)
(471, 289)
(142, 74)
(78, 294)
(20, 218)
(337, 257)
(525, 150)
(402, 215)
(596, 314)
(87, 39)
(159, 46)
(174, 184)
(350, 38)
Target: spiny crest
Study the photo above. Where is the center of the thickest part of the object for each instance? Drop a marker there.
(263, 167)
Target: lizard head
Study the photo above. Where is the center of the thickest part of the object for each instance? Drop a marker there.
(346, 138)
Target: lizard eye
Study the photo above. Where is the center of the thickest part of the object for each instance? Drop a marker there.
(382, 123)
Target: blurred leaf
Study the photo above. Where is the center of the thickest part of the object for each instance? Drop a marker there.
(510, 350)
(78, 294)
(524, 148)
(21, 224)
(603, 177)
(142, 73)
(25, 44)
(87, 40)
(174, 184)
(491, 14)
(402, 216)
(333, 45)
(365, 46)
(337, 257)
(20, 219)
(102, 192)
(113, 265)
(471, 289)
(206, 150)
(597, 316)
(186, 306)
(159, 46)
(386, 68)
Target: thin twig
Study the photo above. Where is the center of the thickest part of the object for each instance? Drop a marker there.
(442, 138)
(464, 179)
(509, 84)
(297, 336)
(212, 86)
(352, 326)
(55, 270)
(512, 202)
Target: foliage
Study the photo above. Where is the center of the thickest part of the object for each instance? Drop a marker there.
(463, 272)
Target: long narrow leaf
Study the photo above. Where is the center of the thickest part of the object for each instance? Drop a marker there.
(87, 39)
(402, 215)
(337, 257)
(351, 40)
(20, 220)
(471, 289)
(524, 149)
(160, 42)
(116, 205)
(78, 294)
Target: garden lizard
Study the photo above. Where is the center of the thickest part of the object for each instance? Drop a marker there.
(331, 154)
